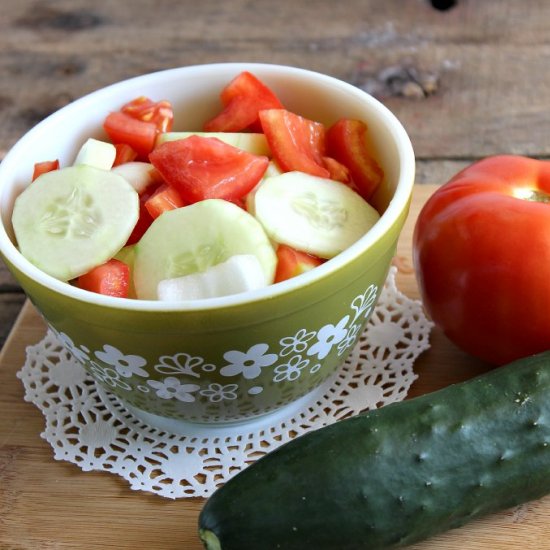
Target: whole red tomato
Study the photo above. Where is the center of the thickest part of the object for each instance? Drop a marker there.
(481, 252)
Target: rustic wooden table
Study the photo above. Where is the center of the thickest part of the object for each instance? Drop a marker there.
(467, 79)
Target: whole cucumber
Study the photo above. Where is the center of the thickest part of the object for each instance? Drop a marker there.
(397, 475)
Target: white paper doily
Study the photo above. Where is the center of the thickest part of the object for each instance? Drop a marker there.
(91, 428)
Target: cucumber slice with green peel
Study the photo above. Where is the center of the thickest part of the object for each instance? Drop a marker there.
(68, 221)
(99, 154)
(251, 142)
(239, 273)
(193, 238)
(312, 214)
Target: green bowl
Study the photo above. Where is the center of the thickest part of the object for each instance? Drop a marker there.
(222, 359)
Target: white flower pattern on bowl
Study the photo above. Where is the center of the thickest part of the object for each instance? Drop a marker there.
(305, 347)
(363, 306)
(291, 370)
(327, 337)
(216, 392)
(183, 363)
(172, 388)
(108, 376)
(80, 353)
(297, 343)
(125, 365)
(250, 363)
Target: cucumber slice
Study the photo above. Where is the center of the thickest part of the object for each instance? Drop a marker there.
(315, 215)
(99, 154)
(251, 142)
(238, 274)
(193, 238)
(68, 221)
(138, 174)
(272, 170)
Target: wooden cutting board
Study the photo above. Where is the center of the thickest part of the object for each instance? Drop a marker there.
(45, 504)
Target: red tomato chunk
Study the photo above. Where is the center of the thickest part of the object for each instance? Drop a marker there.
(44, 167)
(206, 168)
(160, 113)
(138, 123)
(347, 143)
(124, 153)
(291, 262)
(198, 167)
(295, 142)
(139, 135)
(163, 199)
(243, 98)
(111, 278)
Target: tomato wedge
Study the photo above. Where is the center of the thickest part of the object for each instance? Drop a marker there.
(160, 113)
(296, 143)
(139, 135)
(145, 219)
(44, 167)
(337, 170)
(111, 278)
(291, 262)
(124, 154)
(207, 168)
(347, 143)
(243, 98)
(163, 199)
(138, 123)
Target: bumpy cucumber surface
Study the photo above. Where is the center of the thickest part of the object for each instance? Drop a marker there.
(397, 475)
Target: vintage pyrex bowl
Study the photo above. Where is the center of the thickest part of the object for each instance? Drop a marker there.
(230, 358)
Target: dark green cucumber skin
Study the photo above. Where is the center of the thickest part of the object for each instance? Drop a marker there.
(399, 474)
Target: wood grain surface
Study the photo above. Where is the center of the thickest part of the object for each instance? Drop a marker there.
(466, 82)
(46, 504)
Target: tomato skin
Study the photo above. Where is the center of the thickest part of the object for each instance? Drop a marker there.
(296, 143)
(337, 170)
(124, 154)
(482, 259)
(243, 98)
(207, 168)
(145, 219)
(111, 279)
(347, 143)
(160, 113)
(291, 263)
(44, 167)
(163, 199)
(139, 135)
(137, 126)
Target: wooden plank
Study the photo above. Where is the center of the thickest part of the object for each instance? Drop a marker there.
(7, 281)
(10, 306)
(444, 74)
(49, 504)
(465, 82)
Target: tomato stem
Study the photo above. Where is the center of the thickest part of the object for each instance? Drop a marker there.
(533, 195)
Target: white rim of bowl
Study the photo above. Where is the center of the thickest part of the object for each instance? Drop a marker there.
(396, 206)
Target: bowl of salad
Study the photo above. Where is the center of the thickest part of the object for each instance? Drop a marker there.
(208, 242)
